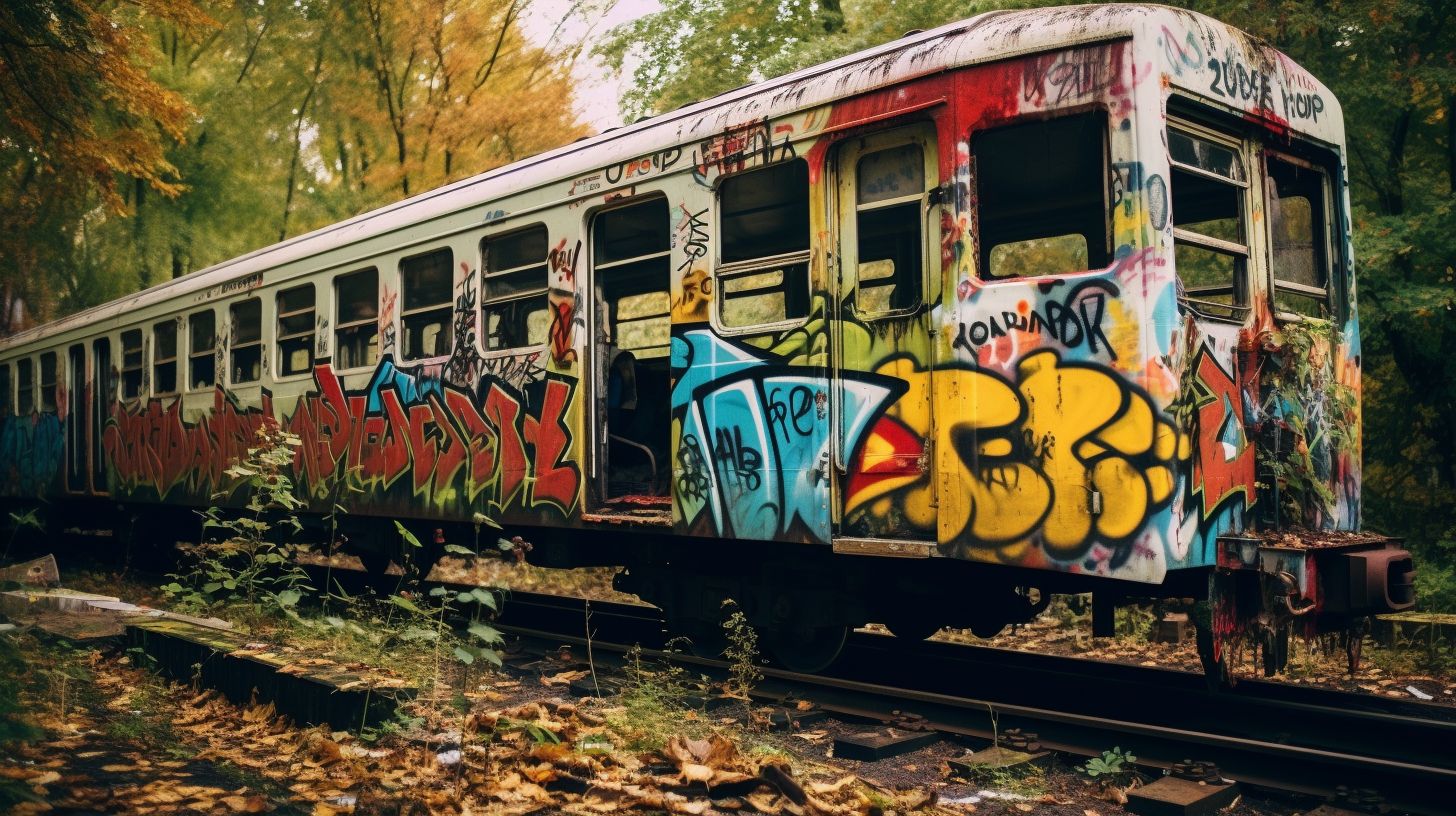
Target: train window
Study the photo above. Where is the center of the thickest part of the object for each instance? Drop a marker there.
(246, 356)
(201, 350)
(1209, 236)
(1040, 217)
(164, 357)
(889, 186)
(426, 281)
(48, 382)
(513, 291)
(295, 330)
(131, 364)
(7, 396)
(1298, 230)
(630, 248)
(763, 272)
(25, 379)
(356, 323)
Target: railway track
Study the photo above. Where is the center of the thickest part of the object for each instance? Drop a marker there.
(1269, 735)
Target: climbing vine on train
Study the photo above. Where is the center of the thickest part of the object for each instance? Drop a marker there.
(1317, 417)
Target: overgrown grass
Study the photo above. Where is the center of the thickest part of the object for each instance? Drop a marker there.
(653, 705)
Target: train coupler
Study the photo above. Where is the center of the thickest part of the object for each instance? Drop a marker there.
(1271, 585)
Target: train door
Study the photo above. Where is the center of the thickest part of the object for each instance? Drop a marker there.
(882, 338)
(103, 391)
(631, 468)
(76, 425)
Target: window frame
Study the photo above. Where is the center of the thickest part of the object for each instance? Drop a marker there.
(482, 329)
(982, 259)
(340, 325)
(140, 368)
(194, 355)
(42, 387)
(723, 272)
(924, 135)
(25, 384)
(609, 317)
(7, 390)
(1241, 285)
(1332, 253)
(234, 347)
(178, 338)
(448, 306)
(279, 371)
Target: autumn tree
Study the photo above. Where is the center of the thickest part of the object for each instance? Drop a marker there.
(172, 138)
(82, 121)
(435, 90)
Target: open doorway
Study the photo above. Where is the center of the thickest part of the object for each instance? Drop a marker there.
(630, 264)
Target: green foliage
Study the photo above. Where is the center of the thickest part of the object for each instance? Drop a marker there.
(1135, 622)
(1302, 390)
(694, 49)
(654, 703)
(1114, 767)
(13, 725)
(19, 523)
(240, 560)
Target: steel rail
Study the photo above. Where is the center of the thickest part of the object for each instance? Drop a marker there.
(1404, 756)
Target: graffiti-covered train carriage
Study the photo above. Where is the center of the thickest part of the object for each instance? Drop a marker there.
(1045, 301)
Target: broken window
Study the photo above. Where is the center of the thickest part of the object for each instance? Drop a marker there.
(1298, 237)
(164, 357)
(763, 272)
(356, 323)
(427, 282)
(246, 357)
(1041, 193)
(201, 350)
(889, 190)
(630, 255)
(513, 290)
(131, 364)
(25, 378)
(7, 395)
(295, 330)
(1210, 243)
(48, 398)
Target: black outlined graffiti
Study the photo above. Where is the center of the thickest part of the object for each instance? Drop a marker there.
(1072, 321)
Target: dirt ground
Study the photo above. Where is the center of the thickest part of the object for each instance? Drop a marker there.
(110, 737)
(85, 727)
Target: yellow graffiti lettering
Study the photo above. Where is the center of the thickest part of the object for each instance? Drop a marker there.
(1031, 456)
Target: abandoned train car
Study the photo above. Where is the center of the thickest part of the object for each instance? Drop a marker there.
(921, 335)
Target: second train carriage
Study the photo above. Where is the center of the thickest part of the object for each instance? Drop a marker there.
(920, 335)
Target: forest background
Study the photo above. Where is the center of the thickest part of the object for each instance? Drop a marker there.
(144, 139)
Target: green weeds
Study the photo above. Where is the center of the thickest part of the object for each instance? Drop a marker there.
(240, 562)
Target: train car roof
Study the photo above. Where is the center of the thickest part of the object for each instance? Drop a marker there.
(987, 37)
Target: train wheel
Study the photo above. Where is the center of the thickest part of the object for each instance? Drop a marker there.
(806, 649)
(705, 639)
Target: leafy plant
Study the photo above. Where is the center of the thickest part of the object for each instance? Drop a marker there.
(19, 523)
(742, 653)
(1321, 414)
(246, 564)
(1114, 767)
